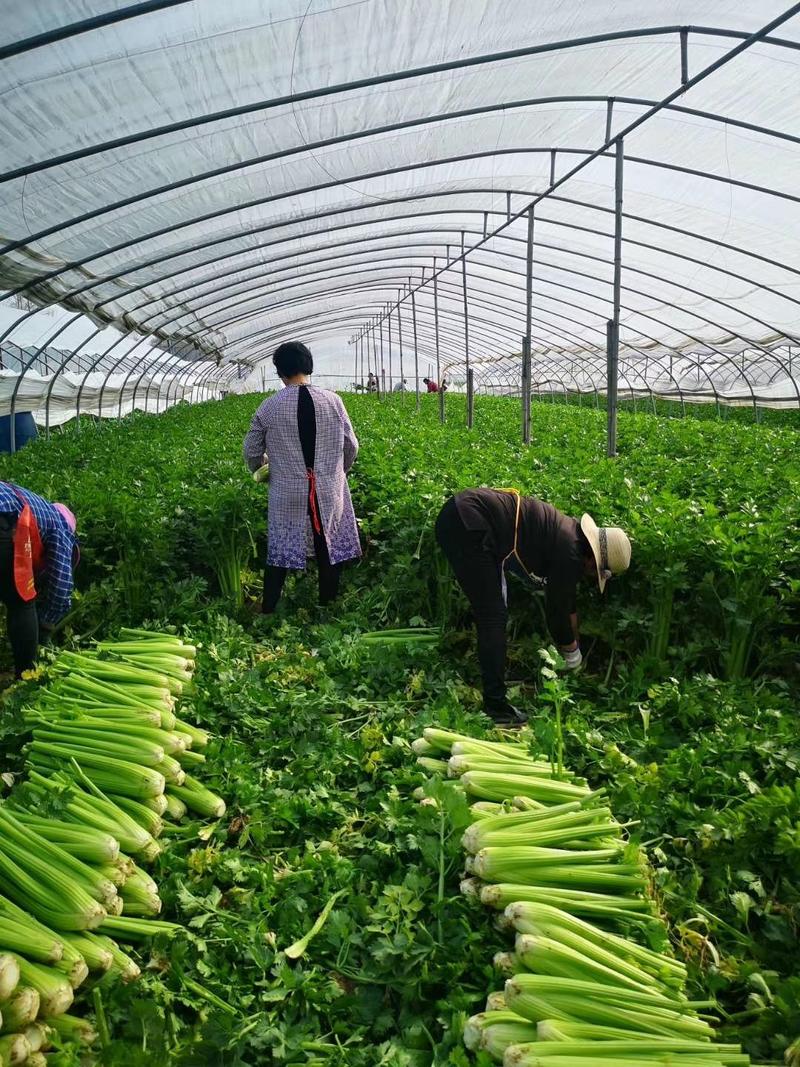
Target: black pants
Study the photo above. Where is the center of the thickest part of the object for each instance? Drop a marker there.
(478, 572)
(329, 574)
(22, 620)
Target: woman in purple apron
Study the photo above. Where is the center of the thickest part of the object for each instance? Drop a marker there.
(305, 436)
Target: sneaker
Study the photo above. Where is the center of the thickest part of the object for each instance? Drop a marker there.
(505, 714)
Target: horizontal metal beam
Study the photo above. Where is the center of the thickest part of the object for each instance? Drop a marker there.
(359, 135)
(73, 29)
(382, 79)
(586, 155)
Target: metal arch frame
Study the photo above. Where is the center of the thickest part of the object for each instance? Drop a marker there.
(180, 372)
(660, 249)
(379, 236)
(376, 131)
(571, 271)
(556, 222)
(24, 370)
(180, 369)
(258, 289)
(96, 22)
(112, 370)
(367, 284)
(735, 51)
(764, 36)
(587, 156)
(159, 366)
(549, 326)
(127, 355)
(595, 354)
(617, 141)
(299, 323)
(423, 214)
(336, 211)
(270, 330)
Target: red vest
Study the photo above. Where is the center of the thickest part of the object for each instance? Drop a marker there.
(28, 551)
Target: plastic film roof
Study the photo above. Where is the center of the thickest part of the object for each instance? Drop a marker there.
(233, 175)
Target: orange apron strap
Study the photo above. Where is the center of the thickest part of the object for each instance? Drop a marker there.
(312, 500)
(28, 553)
(513, 552)
(533, 577)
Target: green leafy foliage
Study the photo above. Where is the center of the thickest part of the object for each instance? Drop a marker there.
(685, 711)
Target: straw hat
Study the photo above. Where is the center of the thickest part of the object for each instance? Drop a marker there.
(610, 546)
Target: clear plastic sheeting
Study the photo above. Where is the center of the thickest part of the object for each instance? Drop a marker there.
(218, 178)
(54, 401)
(746, 380)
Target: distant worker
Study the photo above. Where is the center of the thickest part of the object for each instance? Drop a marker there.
(486, 532)
(445, 385)
(38, 553)
(372, 383)
(432, 387)
(305, 436)
(400, 387)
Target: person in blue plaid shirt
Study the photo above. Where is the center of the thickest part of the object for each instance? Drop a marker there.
(38, 553)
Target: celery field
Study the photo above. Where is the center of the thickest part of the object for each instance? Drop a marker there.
(319, 804)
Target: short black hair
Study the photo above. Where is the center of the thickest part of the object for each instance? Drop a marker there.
(292, 358)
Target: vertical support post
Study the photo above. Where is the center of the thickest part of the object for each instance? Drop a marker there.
(391, 375)
(684, 56)
(526, 340)
(354, 343)
(383, 362)
(416, 348)
(400, 345)
(375, 358)
(470, 397)
(612, 328)
(525, 390)
(436, 333)
(466, 325)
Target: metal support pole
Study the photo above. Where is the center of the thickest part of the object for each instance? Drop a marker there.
(383, 363)
(612, 329)
(684, 56)
(470, 397)
(391, 375)
(400, 344)
(525, 390)
(354, 343)
(466, 322)
(436, 332)
(526, 340)
(375, 359)
(416, 348)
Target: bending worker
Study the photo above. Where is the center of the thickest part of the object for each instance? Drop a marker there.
(486, 532)
(38, 552)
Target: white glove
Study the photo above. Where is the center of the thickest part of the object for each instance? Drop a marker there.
(573, 659)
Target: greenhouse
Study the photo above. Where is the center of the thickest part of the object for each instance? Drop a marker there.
(399, 533)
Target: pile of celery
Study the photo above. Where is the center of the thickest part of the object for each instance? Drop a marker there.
(110, 757)
(584, 989)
